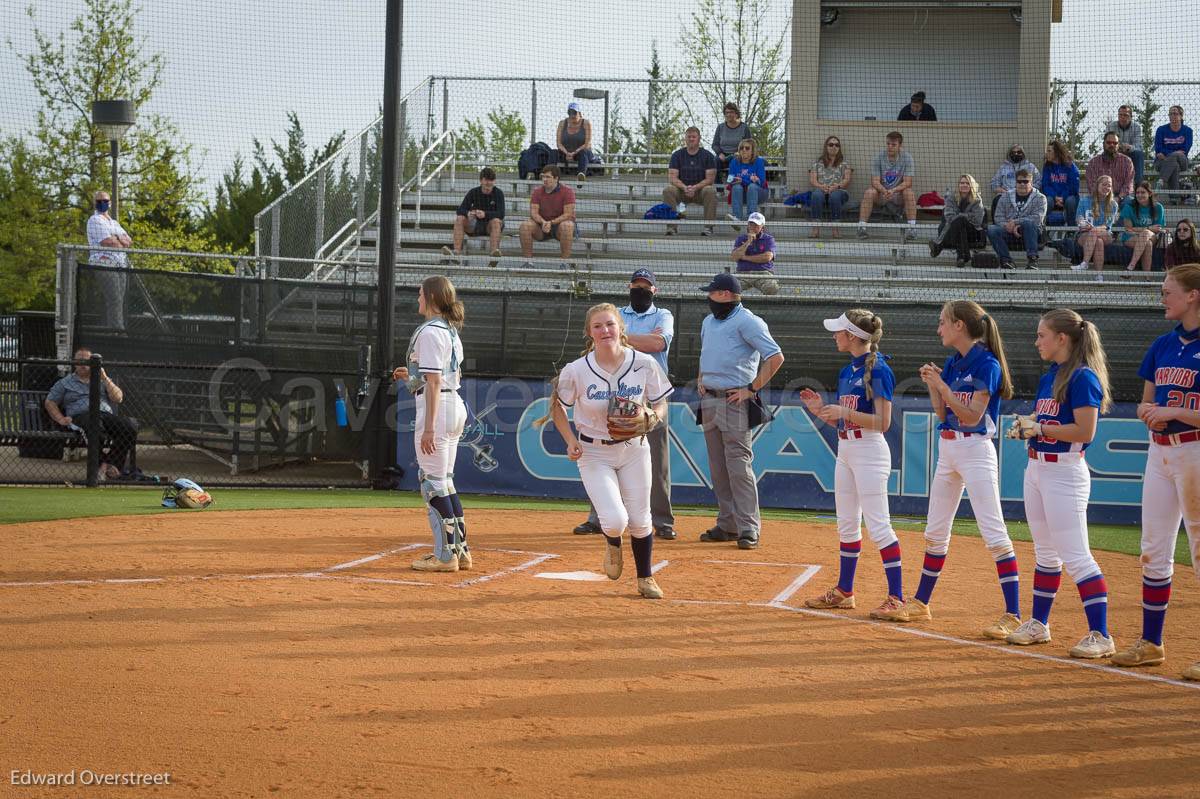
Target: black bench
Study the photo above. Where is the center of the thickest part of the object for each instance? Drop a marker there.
(25, 424)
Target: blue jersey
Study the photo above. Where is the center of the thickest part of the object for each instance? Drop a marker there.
(978, 370)
(1083, 391)
(1171, 365)
(852, 393)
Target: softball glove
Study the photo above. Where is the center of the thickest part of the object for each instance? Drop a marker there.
(628, 419)
(1024, 427)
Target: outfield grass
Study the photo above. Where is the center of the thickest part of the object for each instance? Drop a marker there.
(44, 504)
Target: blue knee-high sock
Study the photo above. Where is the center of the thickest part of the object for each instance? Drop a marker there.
(891, 568)
(1010, 583)
(1156, 594)
(1045, 587)
(456, 506)
(849, 563)
(1094, 593)
(931, 569)
(643, 552)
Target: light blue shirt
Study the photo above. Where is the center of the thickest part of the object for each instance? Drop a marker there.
(655, 318)
(732, 348)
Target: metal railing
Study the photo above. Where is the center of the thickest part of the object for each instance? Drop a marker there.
(420, 180)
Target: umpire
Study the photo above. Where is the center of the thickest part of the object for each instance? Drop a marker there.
(738, 358)
(649, 330)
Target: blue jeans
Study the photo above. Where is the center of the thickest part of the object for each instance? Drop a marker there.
(998, 236)
(817, 200)
(583, 158)
(746, 198)
(1139, 162)
(1069, 205)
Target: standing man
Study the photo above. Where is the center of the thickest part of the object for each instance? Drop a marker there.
(649, 329)
(104, 231)
(1129, 140)
(481, 211)
(892, 174)
(551, 213)
(1112, 162)
(691, 175)
(69, 404)
(738, 358)
(754, 252)
(917, 110)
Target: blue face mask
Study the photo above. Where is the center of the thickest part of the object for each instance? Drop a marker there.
(102, 206)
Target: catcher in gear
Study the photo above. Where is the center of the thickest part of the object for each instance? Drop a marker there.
(618, 395)
(184, 493)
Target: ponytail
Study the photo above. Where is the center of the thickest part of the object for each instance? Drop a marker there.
(1086, 350)
(992, 340)
(440, 294)
(868, 322)
(982, 327)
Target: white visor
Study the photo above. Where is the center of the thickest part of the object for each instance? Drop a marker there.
(842, 323)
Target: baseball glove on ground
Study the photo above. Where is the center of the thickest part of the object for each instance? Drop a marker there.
(1024, 427)
(628, 419)
(185, 493)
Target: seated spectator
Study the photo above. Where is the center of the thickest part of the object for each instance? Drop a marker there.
(690, 177)
(575, 140)
(1183, 249)
(1005, 179)
(1172, 143)
(829, 177)
(551, 213)
(754, 252)
(747, 181)
(917, 110)
(68, 404)
(1129, 140)
(962, 222)
(1116, 165)
(729, 136)
(1060, 183)
(892, 176)
(1144, 219)
(1019, 219)
(480, 212)
(1095, 217)
(104, 231)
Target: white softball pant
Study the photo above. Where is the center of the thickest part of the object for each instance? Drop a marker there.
(1056, 500)
(860, 479)
(1170, 494)
(617, 479)
(447, 430)
(970, 462)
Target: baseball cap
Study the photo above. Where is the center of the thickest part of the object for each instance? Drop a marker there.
(724, 282)
(573, 107)
(757, 218)
(842, 323)
(919, 97)
(643, 274)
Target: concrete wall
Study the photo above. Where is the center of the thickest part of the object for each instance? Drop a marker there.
(857, 67)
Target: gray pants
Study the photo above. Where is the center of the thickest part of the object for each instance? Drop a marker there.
(112, 282)
(727, 435)
(661, 514)
(1170, 169)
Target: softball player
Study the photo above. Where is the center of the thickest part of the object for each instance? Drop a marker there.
(965, 394)
(433, 375)
(1170, 408)
(613, 456)
(862, 415)
(1070, 398)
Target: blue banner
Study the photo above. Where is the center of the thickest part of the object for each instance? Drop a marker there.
(503, 453)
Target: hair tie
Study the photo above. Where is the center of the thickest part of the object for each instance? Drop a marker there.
(983, 318)
(1082, 324)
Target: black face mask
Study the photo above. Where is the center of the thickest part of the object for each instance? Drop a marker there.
(1016, 158)
(722, 309)
(640, 299)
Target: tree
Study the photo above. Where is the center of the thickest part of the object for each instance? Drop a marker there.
(1072, 131)
(502, 133)
(661, 127)
(734, 56)
(1144, 112)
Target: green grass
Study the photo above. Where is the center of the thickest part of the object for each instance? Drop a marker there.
(44, 504)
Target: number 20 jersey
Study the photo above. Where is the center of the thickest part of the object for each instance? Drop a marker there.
(1172, 365)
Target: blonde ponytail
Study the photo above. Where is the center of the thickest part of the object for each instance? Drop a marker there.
(1086, 350)
(868, 322)
(982, 327)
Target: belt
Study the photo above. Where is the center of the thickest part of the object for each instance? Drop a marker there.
(1176, 438)
(421, 391)
(953, 434)
(1052, 457)
(719, 392)
(846, 434)
(606, 442)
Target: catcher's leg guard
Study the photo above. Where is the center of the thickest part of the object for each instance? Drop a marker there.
(456, 508)
(435, 491)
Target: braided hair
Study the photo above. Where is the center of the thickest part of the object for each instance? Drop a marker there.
(872, 324)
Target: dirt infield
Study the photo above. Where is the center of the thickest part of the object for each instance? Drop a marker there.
(281, 653)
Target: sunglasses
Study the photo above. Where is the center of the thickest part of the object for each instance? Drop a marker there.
(744, 149)
(1023, 182)
(833, 144)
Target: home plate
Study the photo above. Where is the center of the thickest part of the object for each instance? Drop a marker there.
(582, 576)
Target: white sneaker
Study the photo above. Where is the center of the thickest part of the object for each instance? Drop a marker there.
(1099, 278)
(1031, 631)
(1094, 645)
(1079, 267)
(733, 218)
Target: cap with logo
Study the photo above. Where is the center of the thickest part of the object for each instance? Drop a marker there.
(574, 107)
(643, 274)
(724, 282)
(757, 218)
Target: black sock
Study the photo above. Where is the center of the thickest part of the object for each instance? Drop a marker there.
(643, 549)
(613, 542)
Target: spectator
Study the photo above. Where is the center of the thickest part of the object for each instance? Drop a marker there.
(1113, 163)
(829, 176)
(649, 329)
(1060, 183)
(104, 231)
(1095, 217)
(729, 136)
(962, 222)
(1144, 219)
(691, 176)
(738, 358)
(754, 252)
(747, 181)
(1183, 249)
(917, 110)
(892, 176)
(1005, 179)
(551, 213)
(575, 140)
(1172, 142)
(1129, 139)
(480, 212)
(69, 405)
(1019, 218)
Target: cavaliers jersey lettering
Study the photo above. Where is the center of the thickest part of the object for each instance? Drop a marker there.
(852, 392)
(978, 370)
(594, 392)
(1171, 364)
(1083, 391)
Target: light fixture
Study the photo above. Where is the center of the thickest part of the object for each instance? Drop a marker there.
(597, 94)
(113, 118)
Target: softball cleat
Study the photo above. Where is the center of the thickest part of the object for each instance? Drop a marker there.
(833, 599)
(465, 561)
(892, 609)
(1192, 672)
(648, 588)
(1031, 631)
(1142, 653)
(612, 562)
(1094, 645)
(1002, 627)
(432, 563)
(917, 610)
